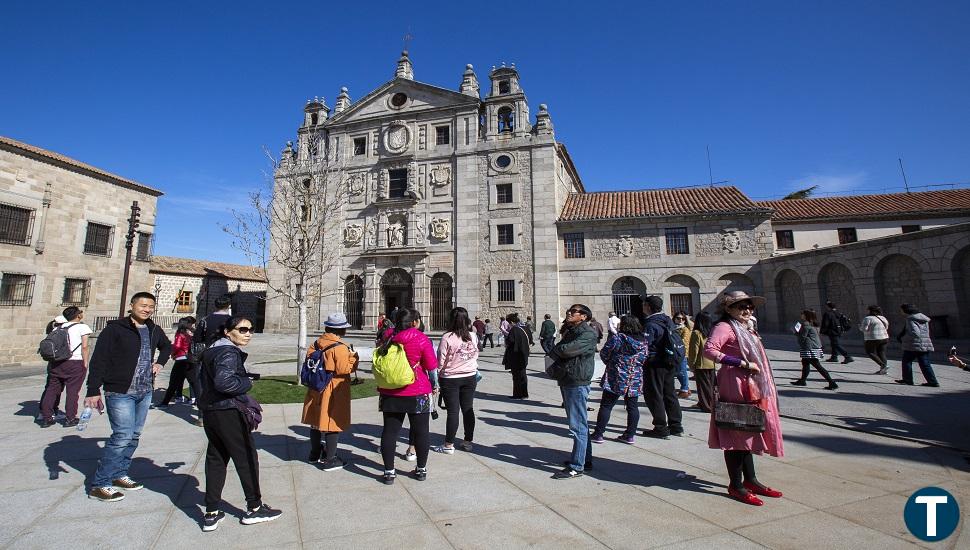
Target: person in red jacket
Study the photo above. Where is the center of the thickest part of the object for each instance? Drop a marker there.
(184, 368)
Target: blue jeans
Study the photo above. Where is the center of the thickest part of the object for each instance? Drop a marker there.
(127, 414)
(683, 377)
(574, 399)
(923, 359)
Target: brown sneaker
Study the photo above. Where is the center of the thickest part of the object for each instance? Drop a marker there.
(105, 494)
(127, 484)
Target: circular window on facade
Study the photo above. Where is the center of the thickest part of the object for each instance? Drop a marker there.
(399, 99)
(503, 161)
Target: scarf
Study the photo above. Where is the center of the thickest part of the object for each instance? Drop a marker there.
(751, 348)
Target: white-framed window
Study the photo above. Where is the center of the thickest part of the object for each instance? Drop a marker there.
(505, 234)
(506, 289)
(442, 135)
(677, 241)
(360, 146)
(574, 245)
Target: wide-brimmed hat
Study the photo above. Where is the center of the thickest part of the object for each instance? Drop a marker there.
(734, 296)
(336, 320)
(60, 320)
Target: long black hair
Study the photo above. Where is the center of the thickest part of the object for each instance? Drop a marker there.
(185, 324)
(703, 323)
(459, 323)
(404, 320)
(630, 325)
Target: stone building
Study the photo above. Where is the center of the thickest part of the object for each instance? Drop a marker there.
(62, 242)
(190, 287)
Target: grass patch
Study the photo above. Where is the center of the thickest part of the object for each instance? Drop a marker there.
(281, 388)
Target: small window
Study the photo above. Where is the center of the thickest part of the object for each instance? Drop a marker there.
(15, 224)
(847, 235)
(911, 228)
(360, 146)
(442, 135)
(144, 252)
(506, 290)
(399, 183)
(785, 239)
(98, 239)
(16, 289)
(314, 117)
(504, 87)
(506, 233)
(677, 240)
(503, 161)
(399, 99)
(76, 292)
(574, 244)
(306, 213)
(506, 120)
(184, 302)
(503, 193)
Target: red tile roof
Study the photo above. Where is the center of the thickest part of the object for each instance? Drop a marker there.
(894, 205)
(201, 268)
(657, 203)
(77, 165)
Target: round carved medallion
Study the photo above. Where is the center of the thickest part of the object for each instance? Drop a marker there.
(397, 138)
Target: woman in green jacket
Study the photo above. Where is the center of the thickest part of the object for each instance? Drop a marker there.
(702, 367)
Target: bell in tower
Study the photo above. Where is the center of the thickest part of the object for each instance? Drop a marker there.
(506, 108)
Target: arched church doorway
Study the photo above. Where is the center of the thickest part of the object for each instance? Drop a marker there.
(397, 290)
(627, 290)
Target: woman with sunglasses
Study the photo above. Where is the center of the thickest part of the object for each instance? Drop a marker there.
(224, 381)
(745, 377)
(683, 329)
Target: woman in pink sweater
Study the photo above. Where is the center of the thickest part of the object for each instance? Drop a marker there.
(413, 400)
(458, 372)
(745, 377)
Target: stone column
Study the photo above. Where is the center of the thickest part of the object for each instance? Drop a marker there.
(372, 294)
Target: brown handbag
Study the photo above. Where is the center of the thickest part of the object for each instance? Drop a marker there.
(740, 417)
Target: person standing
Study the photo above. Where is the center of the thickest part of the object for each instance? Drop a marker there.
(489, 334)
(683, 330)
(598, 329)
(658, 378)
(574, 356)
(123, 364)
(613, 323)
(225, 383)
(414, 400)
(183, 369)
(530, 328)
(503, 331)
(702, 367)
(327, 412)
(547, 334)
(209, 329)
(624, 354)
(479, 327)
(875, 330)
(917, 346)
(458, 378)
(744, 377)
(832, 326)
(67, 375)
(516, 356)
(810, 350)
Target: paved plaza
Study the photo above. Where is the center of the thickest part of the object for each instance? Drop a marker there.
(844, 487)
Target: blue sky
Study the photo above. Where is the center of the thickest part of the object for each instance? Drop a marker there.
(184, 96)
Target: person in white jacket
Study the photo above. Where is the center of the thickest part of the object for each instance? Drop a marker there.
(875, 330)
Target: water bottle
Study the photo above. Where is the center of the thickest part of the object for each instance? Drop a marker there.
(85, 418)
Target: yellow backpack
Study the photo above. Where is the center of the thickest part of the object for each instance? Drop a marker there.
(392, 370)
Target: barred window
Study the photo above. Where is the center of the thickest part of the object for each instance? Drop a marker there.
(360, 146)
(506, 233)
(442, 135)
(16, 224)
(847, 235)
(16, 289)
(506, 290)
(144, 252)
(399, 183)
(76, 292)
(575, 245)
(503, 193)
(98, 239)
(785, 239)
(677, 240)
(184, 302)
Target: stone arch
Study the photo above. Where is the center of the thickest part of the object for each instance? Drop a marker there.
(961, 286)
(442, 300)
(626, 294)
(736, 281)
(354, 301)
(682, 293)
(791, 298)
(899, 280)
(397, 289)
(925, 264)
(836, 284)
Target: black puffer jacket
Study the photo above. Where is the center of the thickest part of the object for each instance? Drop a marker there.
(223, 376)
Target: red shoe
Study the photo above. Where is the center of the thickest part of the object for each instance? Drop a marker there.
(747, 498)
(763, 491)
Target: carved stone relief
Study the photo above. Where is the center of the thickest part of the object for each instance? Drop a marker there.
(414, 189)
(440, 176)
(370, 234)
(353, 234)
(383, 184)
(730, 241)
(440, 229)
(605, 246)
(396, 232)
(356, 183)
(397, 137)
(420, 228)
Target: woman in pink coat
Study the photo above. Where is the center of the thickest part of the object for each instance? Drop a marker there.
(745, 377)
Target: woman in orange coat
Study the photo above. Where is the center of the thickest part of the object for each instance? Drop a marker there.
(328, 411)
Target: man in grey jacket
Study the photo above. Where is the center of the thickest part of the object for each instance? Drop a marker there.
(917, 346)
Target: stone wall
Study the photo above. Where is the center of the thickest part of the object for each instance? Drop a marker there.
(248, 297)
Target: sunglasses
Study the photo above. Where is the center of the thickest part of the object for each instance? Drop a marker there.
(243, 330)
(745, 305)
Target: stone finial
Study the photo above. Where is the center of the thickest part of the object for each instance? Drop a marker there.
(343, 101)
(469, 82)
(404, 67)
(543, 121)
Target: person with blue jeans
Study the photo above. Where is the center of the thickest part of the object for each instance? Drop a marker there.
(124, 364)
(683, 376)
(917, 345)
(573, 368)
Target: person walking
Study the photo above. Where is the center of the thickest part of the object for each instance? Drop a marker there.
(57, 413)
(225, 384)
(810, 350)
(683, 330)
(209, 329)
(489, 334)
(123, 364)
(67, 375)
(327, 412)
(458, 378)
(917, 345)
(613, 323)
(414, 400)
(624, 354)
(833, 325)
(503, 331)
(702, 367)
(574, 359)
(479, 327)
(530, 329)
(744, 377)
(658, 377)
(875, 330)
(183, 369)
(516, 356)
(547, 334)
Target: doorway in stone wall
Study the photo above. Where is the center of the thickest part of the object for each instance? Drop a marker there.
(397, 290)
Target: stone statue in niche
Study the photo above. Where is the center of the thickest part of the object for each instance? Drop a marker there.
(383, 184)
(440, 229)
(370, 234)
(396, 233)
(730, 241)
(353, 234)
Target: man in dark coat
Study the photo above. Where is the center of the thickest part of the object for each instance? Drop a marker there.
(832, 327)
(574, 355)
(658, 380)
(516, 357)
(547, 334)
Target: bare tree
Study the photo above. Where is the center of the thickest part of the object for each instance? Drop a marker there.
(291, 230)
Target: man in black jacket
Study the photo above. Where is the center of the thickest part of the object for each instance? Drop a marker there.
(658, 379)
(832, 327)
(210, 327)
(575, 353)
(516, 356)
(123, 363)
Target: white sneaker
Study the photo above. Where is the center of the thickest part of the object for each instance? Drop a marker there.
(443, 450)
(410, 456)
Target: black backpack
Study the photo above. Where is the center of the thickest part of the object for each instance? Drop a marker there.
(56, 346)
(845, 324)
(670, 349)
